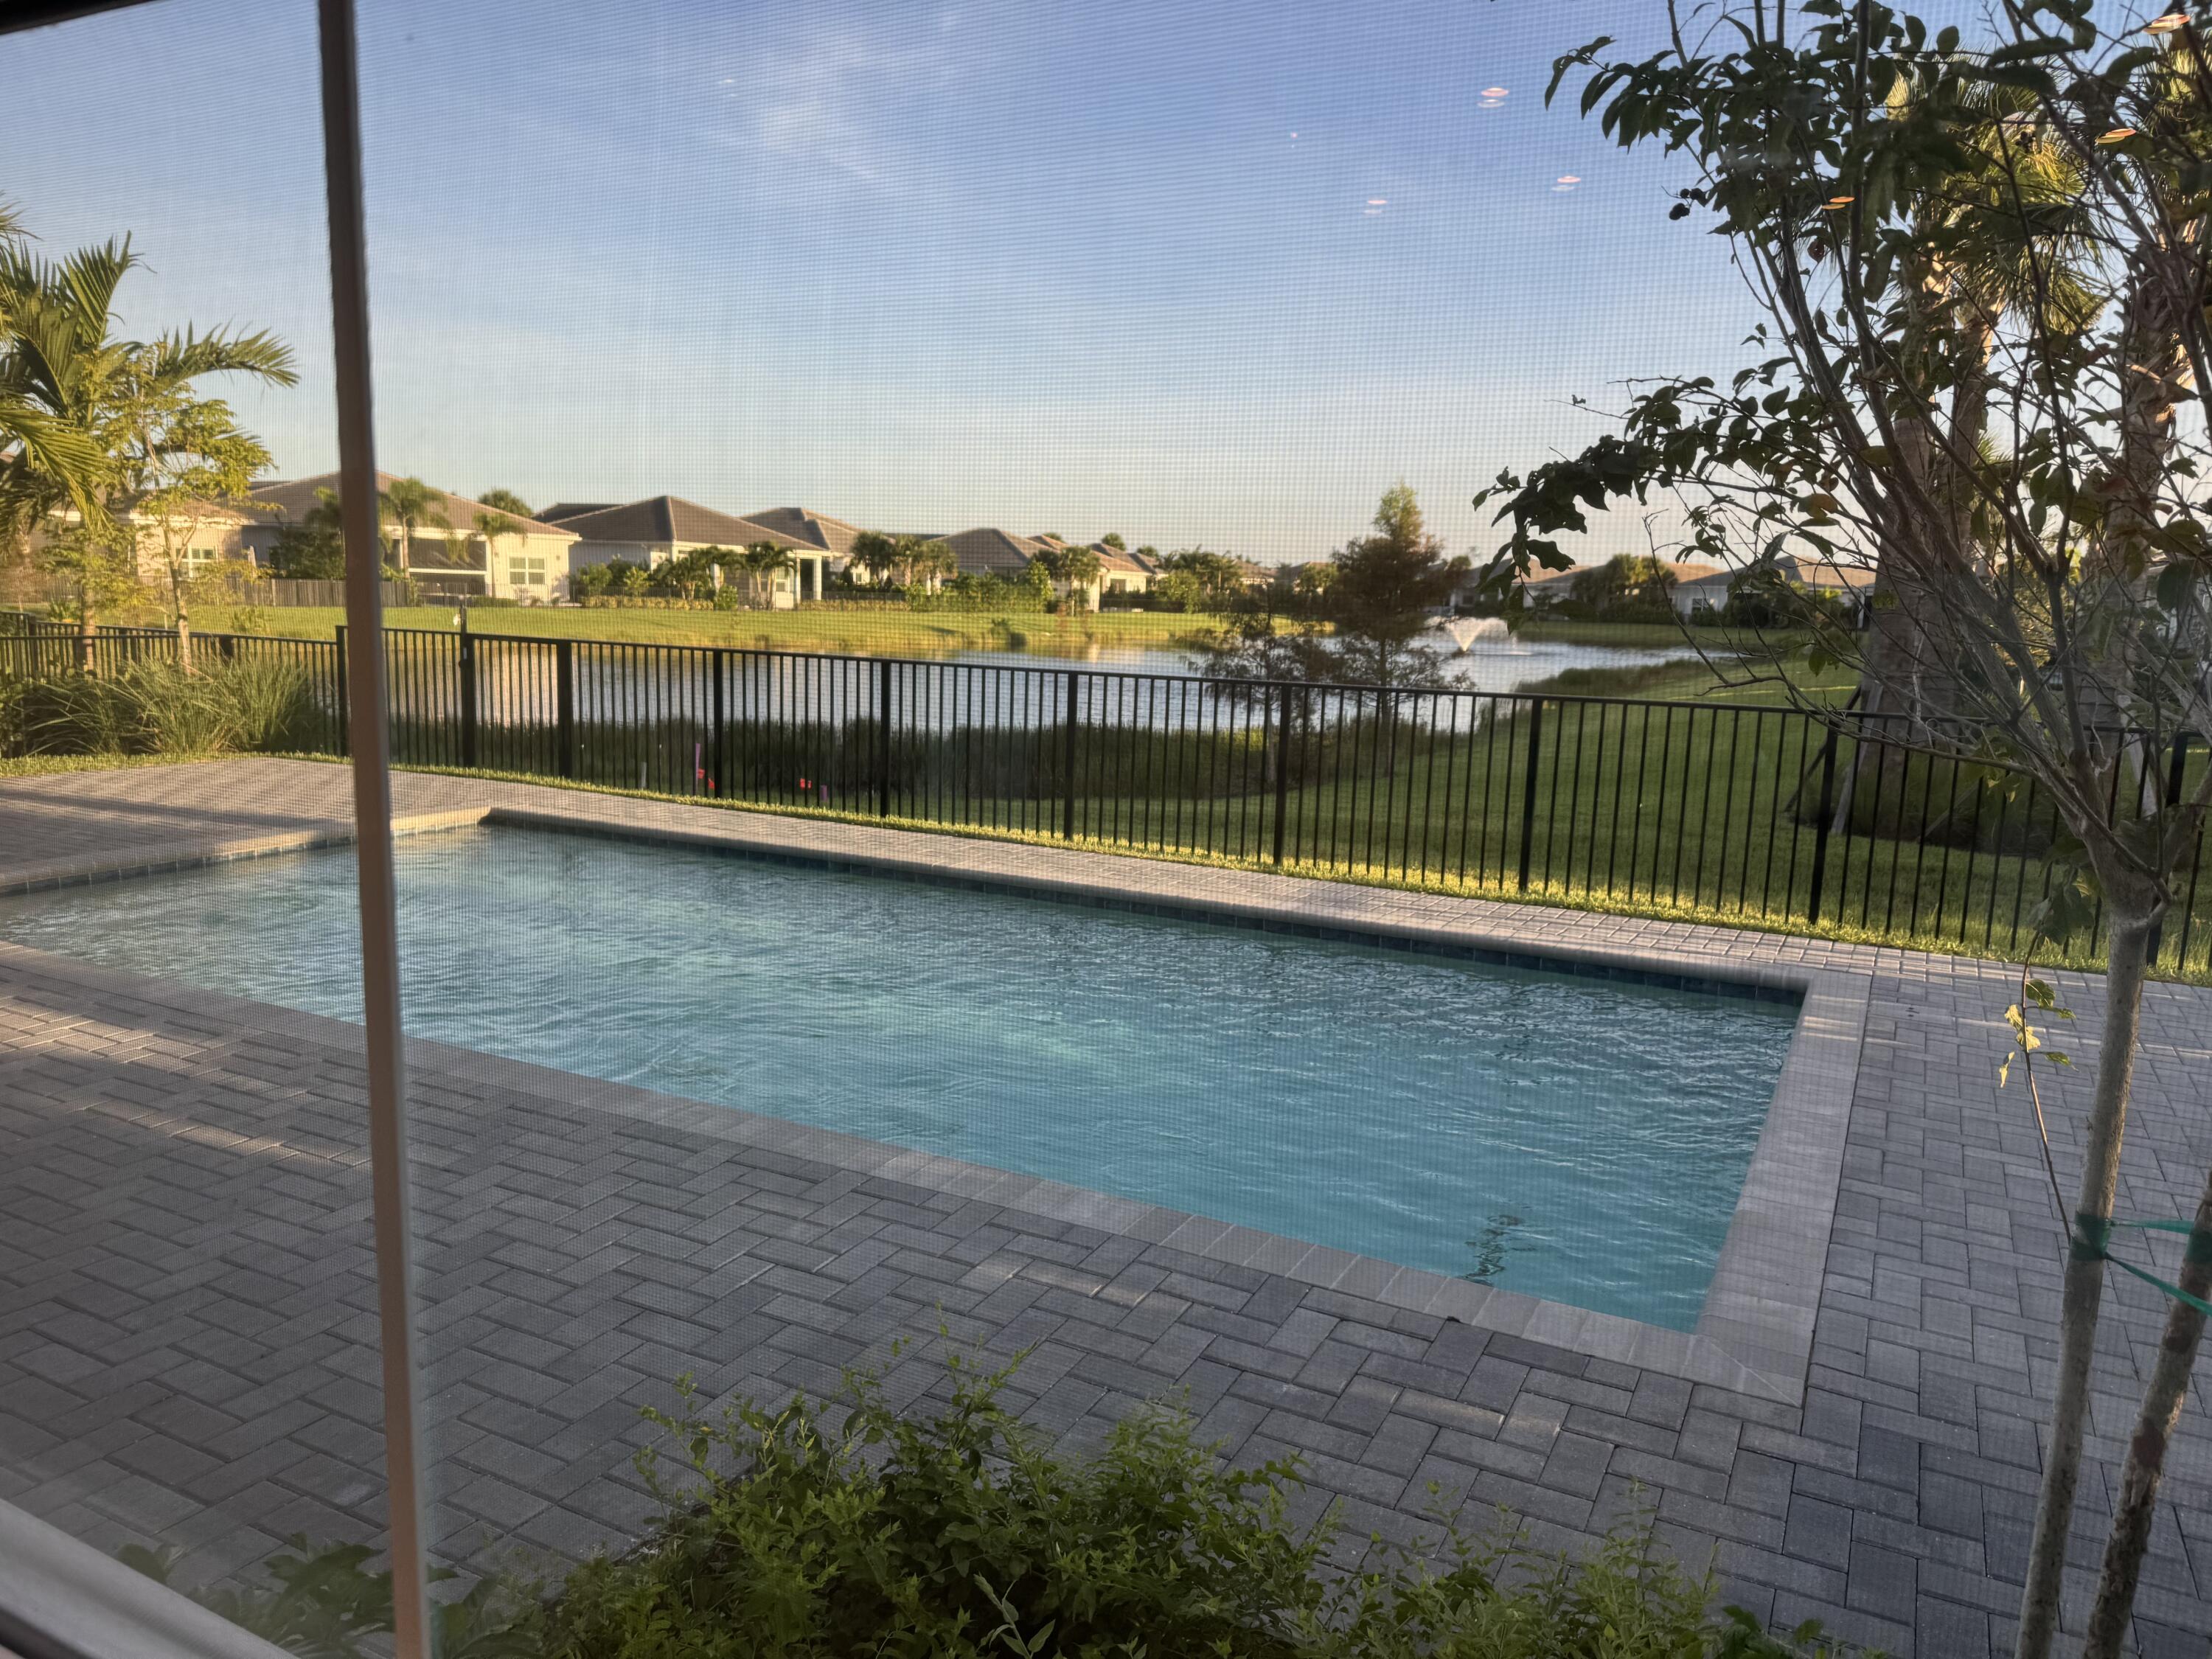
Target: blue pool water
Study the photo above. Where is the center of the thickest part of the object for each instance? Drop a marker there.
(1574, 1138)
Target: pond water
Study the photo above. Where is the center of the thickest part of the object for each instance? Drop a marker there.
(1488, 665)
(1155, 688)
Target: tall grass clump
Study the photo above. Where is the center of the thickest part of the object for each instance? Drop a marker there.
(155, 709)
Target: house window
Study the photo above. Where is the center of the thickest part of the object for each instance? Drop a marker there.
(196, 557)
(526, 572)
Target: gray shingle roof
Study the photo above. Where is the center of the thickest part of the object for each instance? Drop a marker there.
(560, 510)
(663, 520)
(992, 552)
(293, 499)
(808, 528)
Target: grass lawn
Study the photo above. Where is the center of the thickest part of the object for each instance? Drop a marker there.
(880, 630)
(1651, 635)
(883, 630)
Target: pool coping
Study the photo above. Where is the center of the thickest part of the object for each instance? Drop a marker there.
(1754, 1333)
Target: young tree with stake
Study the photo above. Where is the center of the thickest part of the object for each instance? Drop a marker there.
(1981, 270)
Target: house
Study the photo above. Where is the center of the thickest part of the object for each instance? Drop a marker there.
(833, 537)
(1543, 590)
(1124, 572)
(993, 553)
(663, 527)
(204, 532)
(1710, 591)
(449, 559)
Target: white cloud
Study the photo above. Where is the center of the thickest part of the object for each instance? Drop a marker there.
(827, 104)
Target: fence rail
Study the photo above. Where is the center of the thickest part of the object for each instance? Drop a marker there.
(1739, 811)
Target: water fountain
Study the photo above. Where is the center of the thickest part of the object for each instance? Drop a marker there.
(1465, 630)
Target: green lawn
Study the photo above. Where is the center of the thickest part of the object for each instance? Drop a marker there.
(1651, 635)
(874, 630)
(890, 629)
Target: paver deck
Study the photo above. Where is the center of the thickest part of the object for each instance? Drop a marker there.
(188, 1329)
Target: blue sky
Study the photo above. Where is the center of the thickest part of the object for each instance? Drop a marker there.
(1051, 267)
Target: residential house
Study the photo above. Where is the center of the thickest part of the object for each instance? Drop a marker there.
(204, 532)
(663, 527)
(448, 559)
(1708, 591)
(1543, 590)
(1123, 572)
(832, 538)
(993, 553)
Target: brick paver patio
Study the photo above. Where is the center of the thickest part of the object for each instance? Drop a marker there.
(186, 1322)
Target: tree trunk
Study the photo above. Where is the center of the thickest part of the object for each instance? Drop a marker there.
(2085, 1281)
(86, 630)
(2163, 1400)
(184, 624)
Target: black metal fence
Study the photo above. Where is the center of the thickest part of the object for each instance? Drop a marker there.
(1738, 811)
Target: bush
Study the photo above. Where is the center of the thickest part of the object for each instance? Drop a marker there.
(154, 708)
(982, 591)
(818, 1532)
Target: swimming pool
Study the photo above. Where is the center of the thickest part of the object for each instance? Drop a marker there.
(1575, 1137)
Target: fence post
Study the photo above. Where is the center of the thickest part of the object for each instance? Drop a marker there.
(1282, 772)
(1068, 759)
(721, 776)
(345, 716)
(1529, 789)
(564, 702)
(468, 672)
(1820, 834)
(2175, 768)
(883, 738)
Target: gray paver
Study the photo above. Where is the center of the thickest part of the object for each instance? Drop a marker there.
(187, 1317)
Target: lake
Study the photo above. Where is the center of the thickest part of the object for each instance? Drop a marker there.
(1155, 688)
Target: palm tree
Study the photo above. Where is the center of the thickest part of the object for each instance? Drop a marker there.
(507, 502)
(408, 504)
(931, 563)
(1077, 567)
(760, 562)
(53, 332)
(91, 422)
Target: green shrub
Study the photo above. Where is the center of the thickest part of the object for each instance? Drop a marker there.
(819, 1531)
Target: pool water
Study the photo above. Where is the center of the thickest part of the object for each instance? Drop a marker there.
(1570, 1137)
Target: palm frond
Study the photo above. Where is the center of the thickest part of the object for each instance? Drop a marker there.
(175, 359)
(51, 457)
(85, 283)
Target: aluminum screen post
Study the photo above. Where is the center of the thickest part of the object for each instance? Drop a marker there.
(370, 745)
